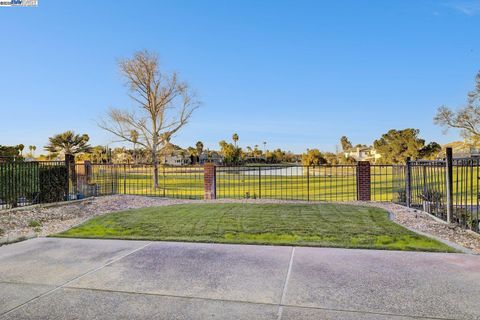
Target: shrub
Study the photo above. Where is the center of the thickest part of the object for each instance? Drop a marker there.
(34, 224)
(431, 196)
(401, 196)
(18, 182)
(53, 181)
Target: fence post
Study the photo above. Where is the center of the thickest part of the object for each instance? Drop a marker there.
(164, 182)
(408, 182)
(308, 183)
(124, 179)
(209, 181)
(449, 183)
(363, 181)
(259, 182)
(87, 168)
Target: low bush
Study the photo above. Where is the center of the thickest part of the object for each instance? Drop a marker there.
(34, 224)
(18, 183)
(53, 181)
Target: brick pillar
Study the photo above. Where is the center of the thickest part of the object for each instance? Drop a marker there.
(87, 166)
(71, 183)
(209, 178)
(363, 181)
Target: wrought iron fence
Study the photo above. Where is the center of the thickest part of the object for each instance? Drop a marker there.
(286, 182)
(448, 189)
(309, 183)
(107, 179)
(26, 183)
(465, 189)
(387, 183)
(429, 190)
(428, 187)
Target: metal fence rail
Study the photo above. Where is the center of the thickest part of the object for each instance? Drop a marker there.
(387, 183)
(27, 183)
(309, 183)
(429, 188)
(23, 182)
(184, 182)
(466, 193)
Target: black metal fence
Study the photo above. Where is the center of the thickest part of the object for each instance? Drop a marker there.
(23, 182)
(184, 182)
(454, 200)
(448, 189)
(387, 183)
(309, 183)
(26, 183)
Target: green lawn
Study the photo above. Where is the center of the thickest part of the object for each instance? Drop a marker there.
(328, 225)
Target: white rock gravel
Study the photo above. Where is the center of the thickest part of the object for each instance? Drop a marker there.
(421, 221)
(19, 224)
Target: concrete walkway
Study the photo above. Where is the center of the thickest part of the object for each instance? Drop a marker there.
(112, 279)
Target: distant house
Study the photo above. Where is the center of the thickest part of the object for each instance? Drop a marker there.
(210, 157)
(173, 155)
(363, 154)
(463, 149)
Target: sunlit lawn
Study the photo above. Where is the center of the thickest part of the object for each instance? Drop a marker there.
(329, 225)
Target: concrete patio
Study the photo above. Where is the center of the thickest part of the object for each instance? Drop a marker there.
(48, 278)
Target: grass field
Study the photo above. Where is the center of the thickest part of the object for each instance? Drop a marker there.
(328, 225)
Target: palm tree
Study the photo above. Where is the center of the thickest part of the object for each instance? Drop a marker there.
(134, 138)
(68, 143)
(235, 139)
(20, 147)
(249, 151)
(32, 149)
(199, 146)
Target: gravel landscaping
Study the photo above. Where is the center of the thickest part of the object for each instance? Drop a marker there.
(45, 220)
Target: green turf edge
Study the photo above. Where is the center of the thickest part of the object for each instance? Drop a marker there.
(443, 247)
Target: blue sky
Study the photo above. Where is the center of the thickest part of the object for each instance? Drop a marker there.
(297, 74)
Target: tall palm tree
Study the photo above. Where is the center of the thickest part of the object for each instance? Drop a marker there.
(20, 147)
(32, 149)
(68, 143)
(199, 146)
(235, 139)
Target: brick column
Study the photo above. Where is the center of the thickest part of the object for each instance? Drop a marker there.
(71, 175)
(363, 181)
(209, 181)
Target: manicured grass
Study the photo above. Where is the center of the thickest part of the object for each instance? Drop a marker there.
(329, 225)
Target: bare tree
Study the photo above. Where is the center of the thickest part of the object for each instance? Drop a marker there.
(467, 118)
(163, 105)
